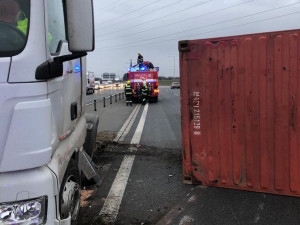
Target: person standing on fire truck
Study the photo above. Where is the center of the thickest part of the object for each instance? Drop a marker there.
(140, 60)
(128, 93)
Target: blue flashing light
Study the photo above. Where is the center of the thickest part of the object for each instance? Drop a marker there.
(132, 69)
(77, 68)
(143, 68)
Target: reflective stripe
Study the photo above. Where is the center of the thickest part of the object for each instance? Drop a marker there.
(141, 81)
(128, 89)
(145, 91)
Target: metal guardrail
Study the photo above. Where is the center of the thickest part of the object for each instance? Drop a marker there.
(110, 97)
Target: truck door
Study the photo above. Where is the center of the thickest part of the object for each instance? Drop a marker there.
(64, 91)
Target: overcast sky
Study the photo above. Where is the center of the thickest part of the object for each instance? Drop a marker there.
(125, 27)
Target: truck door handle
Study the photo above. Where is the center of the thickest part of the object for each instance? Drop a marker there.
(73, 110)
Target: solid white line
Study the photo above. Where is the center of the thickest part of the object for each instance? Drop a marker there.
(127, 123)
(110, 209)
(130, 125)
(111, 206)
(138, 132)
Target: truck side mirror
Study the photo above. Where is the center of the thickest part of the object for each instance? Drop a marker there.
(80, 25)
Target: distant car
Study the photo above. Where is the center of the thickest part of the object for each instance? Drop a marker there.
(97, 85)
(175, 85)
(89, 90)
(105, 84)
(117, 85)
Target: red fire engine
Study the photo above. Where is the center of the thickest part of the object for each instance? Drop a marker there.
(140, 76)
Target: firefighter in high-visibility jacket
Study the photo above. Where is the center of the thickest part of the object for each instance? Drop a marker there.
(145, 93)
(128, 93)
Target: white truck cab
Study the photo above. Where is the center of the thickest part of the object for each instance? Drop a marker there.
(44, 146)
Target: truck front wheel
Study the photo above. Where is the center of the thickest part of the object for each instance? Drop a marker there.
(69, 195)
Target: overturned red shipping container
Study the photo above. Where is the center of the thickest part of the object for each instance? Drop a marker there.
(240, 103)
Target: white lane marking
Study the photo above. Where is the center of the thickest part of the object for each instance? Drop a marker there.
(110, 209)
(138, 132)
(186, 220)
(259, 210)
(176, 94)
(130, 125)
(127, 125)
(192, 199)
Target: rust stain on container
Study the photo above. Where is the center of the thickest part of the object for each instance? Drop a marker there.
(240, 117)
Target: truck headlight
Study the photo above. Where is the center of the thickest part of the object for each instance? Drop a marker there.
(29, 212)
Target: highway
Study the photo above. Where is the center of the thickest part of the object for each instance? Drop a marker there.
(139, 160)
(103, 92)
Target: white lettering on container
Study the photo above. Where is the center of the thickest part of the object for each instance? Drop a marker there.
(196, 113)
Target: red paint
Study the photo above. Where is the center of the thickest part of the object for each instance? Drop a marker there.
(240, 104)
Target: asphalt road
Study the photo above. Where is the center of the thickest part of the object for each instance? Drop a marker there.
(147, 188)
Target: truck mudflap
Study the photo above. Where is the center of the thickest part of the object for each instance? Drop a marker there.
(88, 167)
(92, 121)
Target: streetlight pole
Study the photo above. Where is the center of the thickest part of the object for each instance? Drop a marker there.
(174, 66)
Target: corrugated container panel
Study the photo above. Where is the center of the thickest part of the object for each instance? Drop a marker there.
(240, 100)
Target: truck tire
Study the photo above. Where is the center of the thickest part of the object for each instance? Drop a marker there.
(155, 99)
(69, 195)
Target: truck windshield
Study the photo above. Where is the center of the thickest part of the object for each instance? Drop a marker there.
(14, 20)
